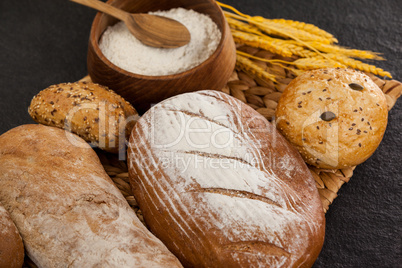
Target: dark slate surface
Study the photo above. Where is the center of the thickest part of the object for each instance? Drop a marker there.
(45, 42)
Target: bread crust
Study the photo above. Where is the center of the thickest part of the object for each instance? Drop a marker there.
(92, 111)
(11, 246)
(221, 187)
(68, 211)
(360, 117)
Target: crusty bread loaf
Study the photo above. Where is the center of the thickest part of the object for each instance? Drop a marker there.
(335, 117)
(93, 112)
(221, 187)
(68, 211)
(11, 246)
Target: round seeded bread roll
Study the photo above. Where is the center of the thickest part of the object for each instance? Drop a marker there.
(336, 118)
(92, 111)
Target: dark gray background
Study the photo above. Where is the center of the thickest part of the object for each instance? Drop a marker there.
(44, 42)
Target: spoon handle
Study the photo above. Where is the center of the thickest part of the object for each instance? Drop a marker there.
(105, 8)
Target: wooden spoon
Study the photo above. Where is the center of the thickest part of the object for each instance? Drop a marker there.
(151, 30)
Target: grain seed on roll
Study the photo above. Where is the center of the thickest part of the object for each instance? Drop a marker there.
(335, 117)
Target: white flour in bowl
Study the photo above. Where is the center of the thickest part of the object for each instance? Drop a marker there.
(125, 51)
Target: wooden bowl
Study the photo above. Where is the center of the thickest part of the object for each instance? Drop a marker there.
(141, 90)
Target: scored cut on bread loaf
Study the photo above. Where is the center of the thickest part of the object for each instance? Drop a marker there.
(221, 187)
(11, 246)
(67, 209)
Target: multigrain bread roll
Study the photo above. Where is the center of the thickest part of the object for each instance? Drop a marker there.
(93, 112)
(68, 211)
(336, 118)
(11, 246)
(221, 187)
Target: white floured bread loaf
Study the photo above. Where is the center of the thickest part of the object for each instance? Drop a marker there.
(68, 211)
(11, 246)
(221, 187)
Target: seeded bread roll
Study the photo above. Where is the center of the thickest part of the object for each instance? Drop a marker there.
(336, 118)
(93, 112)
(221, 187)
(67, 209)
(11, 247)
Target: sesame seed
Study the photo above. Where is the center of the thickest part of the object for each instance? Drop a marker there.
(360, 145)
(353, 124)
(362, 119)
(351, 128)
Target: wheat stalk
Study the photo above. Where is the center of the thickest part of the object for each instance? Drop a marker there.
(251, 68)
(260, 42)
(313, 46)
(308, 28)
(284, 30)
(354, 53)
